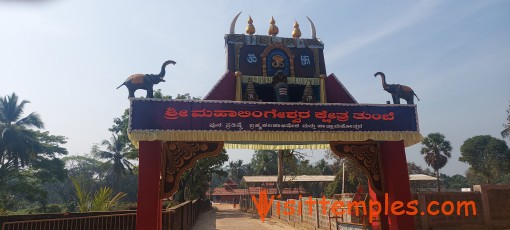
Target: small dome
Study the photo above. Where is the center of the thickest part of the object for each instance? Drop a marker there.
(296, 33)
(250, 28)
(273, 29)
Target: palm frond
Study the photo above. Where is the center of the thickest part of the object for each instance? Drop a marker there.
(506, 133)
(10, 110)
(32, 120)
(82, 196)
(105, 155)
(107, 144)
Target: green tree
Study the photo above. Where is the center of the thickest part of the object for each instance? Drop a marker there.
(91, 172)
(474, 178)
(323, 168)
(119, 128)
(28, 157)
(115, 154)
(196, 182)
(120, 124)
(102, 200)
(436, 151)
(506, 132)
(455, 182)
(236, 170)
(354, 177)
(130, 152)
(487, 156)
(306, 168)
(18, 140)
(265, 162)
(413, 168)
(287, 164)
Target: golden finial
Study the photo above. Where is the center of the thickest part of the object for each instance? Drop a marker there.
(273, 29)
(238, 73)
(296, 33)
(250, 28)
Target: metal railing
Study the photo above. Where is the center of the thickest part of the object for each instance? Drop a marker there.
(180, 217)
(103, 222)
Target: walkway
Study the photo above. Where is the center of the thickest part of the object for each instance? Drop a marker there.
(225, 217)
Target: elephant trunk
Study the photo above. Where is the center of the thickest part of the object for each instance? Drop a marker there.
(383, 79)
(163, 71)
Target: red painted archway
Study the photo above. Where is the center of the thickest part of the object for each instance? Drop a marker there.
(173, 134)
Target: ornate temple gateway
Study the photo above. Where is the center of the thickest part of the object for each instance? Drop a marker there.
(275, 94)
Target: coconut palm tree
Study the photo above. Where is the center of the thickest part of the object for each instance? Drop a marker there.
(436, 151)
(17, 139)
(115, 154)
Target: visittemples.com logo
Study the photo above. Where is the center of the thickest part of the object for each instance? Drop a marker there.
(359, 208)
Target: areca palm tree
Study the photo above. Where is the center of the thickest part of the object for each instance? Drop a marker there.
(115, 154)
(436, 151)
(17, 139)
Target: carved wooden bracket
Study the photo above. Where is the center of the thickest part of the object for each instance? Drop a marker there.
(367, 156)
(178, 157)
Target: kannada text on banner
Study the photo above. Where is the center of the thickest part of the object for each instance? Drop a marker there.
(293, 117)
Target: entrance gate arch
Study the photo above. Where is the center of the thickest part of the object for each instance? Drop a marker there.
(173, 134)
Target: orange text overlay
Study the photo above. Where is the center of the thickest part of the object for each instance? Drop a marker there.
(360, 208)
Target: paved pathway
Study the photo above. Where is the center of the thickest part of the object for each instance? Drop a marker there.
(225, 217)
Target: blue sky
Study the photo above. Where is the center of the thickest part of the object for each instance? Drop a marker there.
(67, 57)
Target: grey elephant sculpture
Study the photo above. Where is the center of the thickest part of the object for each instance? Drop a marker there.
(398, 91)
(145, 81)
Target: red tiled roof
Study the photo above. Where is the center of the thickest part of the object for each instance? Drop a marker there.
(230, 182)
(253, 191)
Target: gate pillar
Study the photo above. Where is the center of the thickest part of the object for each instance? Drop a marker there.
(160, 170)
(386, 168)
(396, 178)
(148, 211)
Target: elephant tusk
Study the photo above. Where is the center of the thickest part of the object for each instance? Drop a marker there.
(312, 26)
(233, 23)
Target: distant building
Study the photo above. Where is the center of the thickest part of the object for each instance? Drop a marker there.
(230, 193)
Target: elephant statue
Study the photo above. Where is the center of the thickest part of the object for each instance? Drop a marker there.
(398, 91)
(145, 81)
